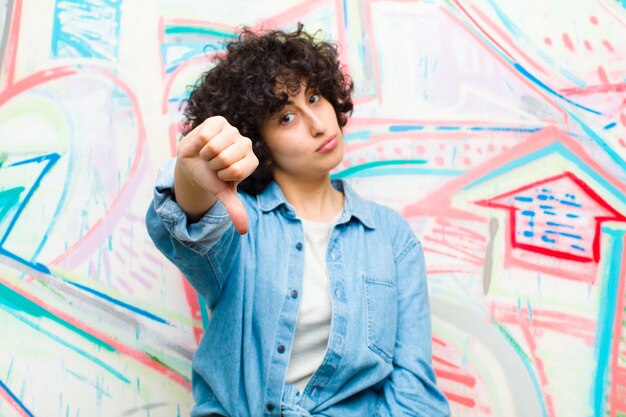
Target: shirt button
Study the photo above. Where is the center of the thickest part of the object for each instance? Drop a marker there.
(299, 245)
(281, 349)
(270, 407)
(294, 294)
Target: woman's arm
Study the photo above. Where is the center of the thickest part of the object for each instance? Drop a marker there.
(202, 250)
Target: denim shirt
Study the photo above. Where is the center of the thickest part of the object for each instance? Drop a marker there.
(378, 359)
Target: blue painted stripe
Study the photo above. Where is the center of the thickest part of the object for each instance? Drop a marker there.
(545, 87)
(118, 302)
(524, 199)
(17, 400)
(404, 128)
(50, 160)
(610, 126)
(606, 317)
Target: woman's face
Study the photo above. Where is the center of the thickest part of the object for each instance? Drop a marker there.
(304, 137)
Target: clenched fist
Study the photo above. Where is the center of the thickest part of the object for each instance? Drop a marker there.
(211, 160)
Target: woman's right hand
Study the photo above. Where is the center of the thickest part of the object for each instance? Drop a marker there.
(211, 160)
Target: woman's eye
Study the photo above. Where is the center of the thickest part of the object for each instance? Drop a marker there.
(287, 118)
(314, 98)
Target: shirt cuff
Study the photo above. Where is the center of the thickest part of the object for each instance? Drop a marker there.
(175, 218)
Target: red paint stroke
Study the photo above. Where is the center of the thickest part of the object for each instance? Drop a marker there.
(608, 45)
(100, 230)
(607, 211)
(588, 45)
(120, 347)
(602, 75)
(173, 132)
(369, 30)
(10, 52)
(460, 399)
(569, 324)
(593, 20)
(595, 89)
(199, 60)
(439, 341)
(543, 378)
(568, 42)
(444, 362)
(35, 80)
(461, 378)
(161, 40)
(194, 308)
(547, 41)
(618, 373)
(530, 85)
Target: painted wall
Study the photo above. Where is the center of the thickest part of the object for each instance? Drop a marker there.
(498, 128)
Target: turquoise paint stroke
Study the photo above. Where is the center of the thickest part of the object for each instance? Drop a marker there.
(8, 199)
(17, 302)
(370, 165)
(606, 318)
(195, 30)
(597, 139)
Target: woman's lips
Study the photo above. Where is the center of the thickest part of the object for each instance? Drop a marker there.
(328, 145)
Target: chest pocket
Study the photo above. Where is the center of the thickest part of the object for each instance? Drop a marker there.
(381, 296)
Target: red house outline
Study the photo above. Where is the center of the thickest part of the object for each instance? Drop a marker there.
(601, 204)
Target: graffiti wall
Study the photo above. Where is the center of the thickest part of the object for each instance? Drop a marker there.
(498, 128)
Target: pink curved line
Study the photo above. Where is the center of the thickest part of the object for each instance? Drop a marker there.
(171, 77)
(34, 80)
(100, 230)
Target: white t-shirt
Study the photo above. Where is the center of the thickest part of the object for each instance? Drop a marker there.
(313, 325)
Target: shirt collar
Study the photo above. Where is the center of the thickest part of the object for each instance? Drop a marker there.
(272, 197)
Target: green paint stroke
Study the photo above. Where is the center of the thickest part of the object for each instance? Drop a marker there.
(370, 165)
(8, 199)
(18, 302)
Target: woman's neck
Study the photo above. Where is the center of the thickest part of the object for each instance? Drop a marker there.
(314, 199)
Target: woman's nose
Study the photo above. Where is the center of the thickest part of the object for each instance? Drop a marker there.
(316, 124)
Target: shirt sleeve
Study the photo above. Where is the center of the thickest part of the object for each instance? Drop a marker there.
(411, 389)
(201, 249)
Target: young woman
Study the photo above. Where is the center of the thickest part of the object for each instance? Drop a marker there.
(318, 298)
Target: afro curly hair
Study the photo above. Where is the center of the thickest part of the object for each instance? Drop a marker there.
(252, 81)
